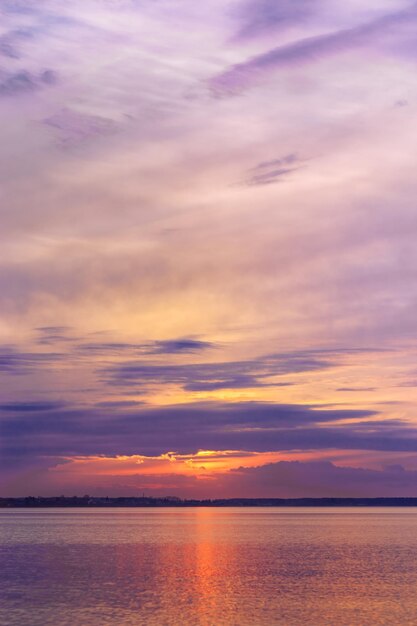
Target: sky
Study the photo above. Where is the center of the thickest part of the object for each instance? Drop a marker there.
(208, 269)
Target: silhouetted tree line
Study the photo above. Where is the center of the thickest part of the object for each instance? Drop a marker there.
(172, 501)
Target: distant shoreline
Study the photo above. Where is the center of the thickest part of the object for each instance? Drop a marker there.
(149, 502)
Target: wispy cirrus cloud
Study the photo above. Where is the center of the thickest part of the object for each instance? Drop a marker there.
(72, 348)
(356, 389)
(16, 362)
(10, 43)
(269, 172)
(144, 365)
(73, 127)
(53, 334)
(264, 16)
(242, 75)
(214, 376)
(181, 345)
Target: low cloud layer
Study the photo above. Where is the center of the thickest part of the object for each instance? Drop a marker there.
(320, 479)
(31, 430)
(284, 479)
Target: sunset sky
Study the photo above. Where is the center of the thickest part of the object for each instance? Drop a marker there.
(208, 258)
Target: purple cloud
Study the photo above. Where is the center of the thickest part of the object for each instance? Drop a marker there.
(31, 406)
(268, 172)
(225, 375)
(253, 426)
(11, 41)
(264, 16)
(17, 362)
(242, 75)
(179, 346)
(73, 127)
(212, 376)
(292, 479)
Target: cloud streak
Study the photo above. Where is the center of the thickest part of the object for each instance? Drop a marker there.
(212, 376)
(258, 372)
(32, 432)
(268, 172)
(242, 75)
(260, 17)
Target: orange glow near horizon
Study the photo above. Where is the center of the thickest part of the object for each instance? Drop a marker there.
(201, 466)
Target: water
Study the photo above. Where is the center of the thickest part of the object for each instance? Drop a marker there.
(212, 567)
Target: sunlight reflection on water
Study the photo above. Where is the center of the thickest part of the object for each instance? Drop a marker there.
(207, 566)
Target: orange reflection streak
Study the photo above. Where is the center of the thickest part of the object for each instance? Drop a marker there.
(208, 572)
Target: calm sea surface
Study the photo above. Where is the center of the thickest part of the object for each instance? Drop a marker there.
(208, 566)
